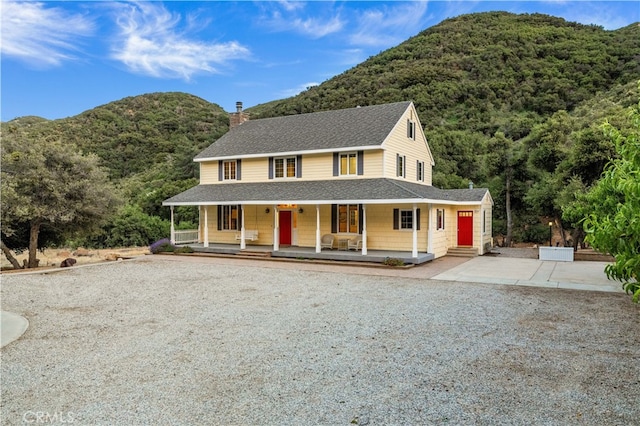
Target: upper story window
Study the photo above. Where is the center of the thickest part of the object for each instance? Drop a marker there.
(411, 129)
(285, 167)
(420, 172)
(401, 165)
(348, 163)
(229, 170)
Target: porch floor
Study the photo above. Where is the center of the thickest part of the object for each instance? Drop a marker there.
(373, 256)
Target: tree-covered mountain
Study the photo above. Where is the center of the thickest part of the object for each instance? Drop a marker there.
(511, 102)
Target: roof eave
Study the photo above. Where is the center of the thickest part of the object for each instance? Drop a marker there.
(287, 153)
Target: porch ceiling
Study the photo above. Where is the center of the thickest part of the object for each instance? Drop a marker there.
(369, 191)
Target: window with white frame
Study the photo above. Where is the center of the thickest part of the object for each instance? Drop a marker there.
(285, 167)
(439, 219)
(348, 163)
(348, 218)
(406, 219)
(411, 129)
(420, 166)
(229, 217)
(401, 165)
(229, 170)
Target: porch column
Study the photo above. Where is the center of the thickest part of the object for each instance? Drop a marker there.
(206, 226)
(364, 229)
(318, 247)
(414, 253)
(243, 243)
(199, 218)
(430, 228)
(276, 229)
(172, 235)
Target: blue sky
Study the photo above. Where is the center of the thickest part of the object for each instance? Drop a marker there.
(62, 58)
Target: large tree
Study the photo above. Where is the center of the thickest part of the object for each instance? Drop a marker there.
(613, 221)
(49, 184)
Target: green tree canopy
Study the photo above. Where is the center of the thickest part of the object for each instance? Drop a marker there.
(612, 208)
(48, 183)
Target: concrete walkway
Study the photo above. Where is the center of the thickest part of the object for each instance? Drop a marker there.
(588, 276)
(12, 326)
(532, 272)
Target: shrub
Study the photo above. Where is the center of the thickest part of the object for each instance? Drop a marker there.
(392, 261)
(185, 249)
(162, 246)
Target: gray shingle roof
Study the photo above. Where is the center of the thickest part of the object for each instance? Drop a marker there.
(346, 128)
(327, 191)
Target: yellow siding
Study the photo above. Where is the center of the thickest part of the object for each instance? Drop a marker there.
(380, 232)
(208, 172)
(317, 167)
(255, 219)
(398, 143)
(255, 170)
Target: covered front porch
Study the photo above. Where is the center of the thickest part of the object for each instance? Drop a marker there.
(293, 252)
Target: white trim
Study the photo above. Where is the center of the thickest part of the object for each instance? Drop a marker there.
(290, 153)
(345, 201)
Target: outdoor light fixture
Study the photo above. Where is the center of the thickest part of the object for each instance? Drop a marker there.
(267, 210)
(550, 227)
(300, 210)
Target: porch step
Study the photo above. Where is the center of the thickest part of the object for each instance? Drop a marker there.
(462, 252)
(254, 253)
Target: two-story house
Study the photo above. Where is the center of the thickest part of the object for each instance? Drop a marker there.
(356, 178)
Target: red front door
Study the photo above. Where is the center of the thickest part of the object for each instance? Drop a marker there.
(285, 227)
(465, 228)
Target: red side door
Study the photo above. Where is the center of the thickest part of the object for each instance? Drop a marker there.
(465, 228)
(285, 227)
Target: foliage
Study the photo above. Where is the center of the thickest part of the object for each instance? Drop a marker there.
(392, 261)
(539, 82)
(49, 184)
(130, 227)
(184, 249)
(162, 246)
(612, 223)
(503, 98)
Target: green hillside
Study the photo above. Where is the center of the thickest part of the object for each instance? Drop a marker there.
(501, 96)
(506, 101)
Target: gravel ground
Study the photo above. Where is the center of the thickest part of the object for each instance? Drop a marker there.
(210, 341)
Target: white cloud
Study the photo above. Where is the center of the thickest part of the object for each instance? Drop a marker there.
(387, 26)
(151, 43)
(41, 36)
(294, 19)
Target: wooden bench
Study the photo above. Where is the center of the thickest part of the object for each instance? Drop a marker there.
(249, 235)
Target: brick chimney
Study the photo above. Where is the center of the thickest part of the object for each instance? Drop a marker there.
(238, 117)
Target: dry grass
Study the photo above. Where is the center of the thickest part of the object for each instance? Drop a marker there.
(51, 258)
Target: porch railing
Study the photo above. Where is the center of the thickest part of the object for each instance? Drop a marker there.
(186, 236)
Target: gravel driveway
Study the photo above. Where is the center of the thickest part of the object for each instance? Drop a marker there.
(163, 340)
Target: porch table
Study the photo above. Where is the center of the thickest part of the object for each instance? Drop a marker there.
(343, 244)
